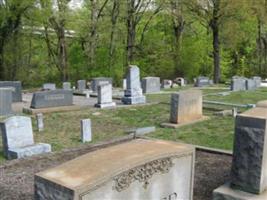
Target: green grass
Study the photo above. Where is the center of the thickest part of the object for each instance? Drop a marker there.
(62, 130)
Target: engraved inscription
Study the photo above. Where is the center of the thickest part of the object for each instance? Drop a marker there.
(54, 97)
(142, 173)
(172, 196)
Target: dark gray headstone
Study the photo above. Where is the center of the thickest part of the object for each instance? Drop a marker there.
(5, 101)
(53, 98)
(202, 81)
(151, 84)
(98, 81)
(16, 89)
(17, 138)
(49, 86)
(134, 93)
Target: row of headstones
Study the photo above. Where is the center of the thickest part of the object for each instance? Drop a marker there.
(18, 141)
(242, 83)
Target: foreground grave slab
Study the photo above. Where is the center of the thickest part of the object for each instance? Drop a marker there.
(248, 175)
(140, 169)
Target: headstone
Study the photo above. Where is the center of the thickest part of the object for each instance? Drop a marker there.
(98, 81)
(238, 83)
(248, 175)
(151, 85)
(202, 81)
(134, 93)
(257, 79)
(17, 138)
(186, 106)
(5, 101)
(16, 89)
(40, 122)
(180, 81)
(251, 84)
(81, 85)
(66, 86)
(166, 84)
(124, 84)
(49, 86)
(136, 170)
(53, 98)
(104, 97)
(86, 130)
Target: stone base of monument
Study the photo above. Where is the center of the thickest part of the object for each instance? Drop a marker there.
(175, 126)
(33, 111)
(134, 100)
(105, 105)
(225, 192)
(82, 93)
(139, 169)
(16, 153)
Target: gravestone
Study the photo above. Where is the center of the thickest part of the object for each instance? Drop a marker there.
(40, 122)
(66, 86)
(180, 81)
(16, 89)
(136, 170)
(257, 79)
(98, 81)
(202, 81)
(104, 96)
(133, 94)
(17, 138)
(5, 101)
(251, 84)
(166, 84)
(151, 85)
(86, 130)
(186, 106)
(124, 84)
(53, 98)
(248, 175)
(238, 83)
(81, 85)
(49, 86)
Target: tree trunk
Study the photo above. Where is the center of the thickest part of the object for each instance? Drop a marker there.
(214, 24)
(259, 42)
(2, 68)
(114, 18)
(131, 32)
(62, 54)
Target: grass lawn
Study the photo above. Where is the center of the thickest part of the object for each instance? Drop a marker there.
(62, 130)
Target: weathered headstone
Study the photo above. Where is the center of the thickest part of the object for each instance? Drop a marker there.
(248, 174)
(186, 106)
(238, 83)
(151, 85)
(66, 86)
(202, 81)
(53, 98)
(16, 89)
(40, 122)
(86, 130)
(17, 138)
(133, 94)
(180, 81)
(49, 86)
(251, 84)
(5, 101)
(166, 84)
(257, 79)
(98, 81)
(154, 170)
(104, 96)
(81, 85)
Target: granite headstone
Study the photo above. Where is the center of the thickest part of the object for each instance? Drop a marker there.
(151, 85)
(104, 96)
(16, 89)
(98, 81)
(49, 86)
(5, 101)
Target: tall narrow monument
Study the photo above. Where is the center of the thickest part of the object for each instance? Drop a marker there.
(134, 93)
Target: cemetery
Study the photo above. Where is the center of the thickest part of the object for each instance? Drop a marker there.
(133, 100)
